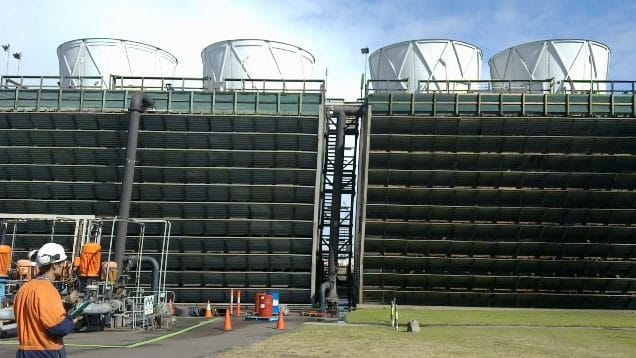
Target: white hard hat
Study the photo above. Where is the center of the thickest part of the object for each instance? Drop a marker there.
(50, 253)
(32, 256)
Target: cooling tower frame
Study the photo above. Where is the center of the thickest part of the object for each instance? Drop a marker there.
(436, 60)
(254, 59)
(568, 62)
(103, 57)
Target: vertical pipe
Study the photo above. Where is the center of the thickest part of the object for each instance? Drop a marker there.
(138, 104)
(322, 134)
(334, 227)
(238, 303)
(361, 213)
(231, 301)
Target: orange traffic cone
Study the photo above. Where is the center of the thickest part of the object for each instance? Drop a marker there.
(280, 325)
(228, 321)
(208, 311)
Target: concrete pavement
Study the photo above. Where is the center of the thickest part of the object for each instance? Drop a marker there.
(189, 338)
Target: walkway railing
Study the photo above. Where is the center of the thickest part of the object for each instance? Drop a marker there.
(487, 86)
(51, 82)
(550, 86)
(271, 85)
(142, 83)
(158, 83)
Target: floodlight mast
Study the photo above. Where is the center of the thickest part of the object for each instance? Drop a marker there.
(365, 52)
(7, 49)
(18, 56)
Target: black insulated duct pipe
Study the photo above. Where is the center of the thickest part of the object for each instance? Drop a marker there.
(138, 104)
(334, 225)
(3, 231)
(132, 263)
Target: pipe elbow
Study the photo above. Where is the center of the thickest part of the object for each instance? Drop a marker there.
(322, 298)
(140, 102)
(149, 259)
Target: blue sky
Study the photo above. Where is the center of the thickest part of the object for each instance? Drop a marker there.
(332, 30)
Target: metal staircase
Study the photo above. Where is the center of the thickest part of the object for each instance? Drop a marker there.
(346, 182)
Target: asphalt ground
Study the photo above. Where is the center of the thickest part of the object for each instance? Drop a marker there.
(188, 337)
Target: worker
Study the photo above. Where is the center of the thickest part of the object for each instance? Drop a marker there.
(41, 319)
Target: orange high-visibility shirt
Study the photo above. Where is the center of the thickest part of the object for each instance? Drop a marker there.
(38, 307)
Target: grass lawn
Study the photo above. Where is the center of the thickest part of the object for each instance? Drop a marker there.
(461, 333)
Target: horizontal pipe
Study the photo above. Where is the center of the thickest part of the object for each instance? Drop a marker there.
(98, 308)
(9, 329)
(7, 313)
(93, 308)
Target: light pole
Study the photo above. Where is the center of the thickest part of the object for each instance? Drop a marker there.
(18, 56)
(365, 52)
(6, 49)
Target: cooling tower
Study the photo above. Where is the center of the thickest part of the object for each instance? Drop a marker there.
(561, 60)
(425, 60)
(102, 57)
(254, 59)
